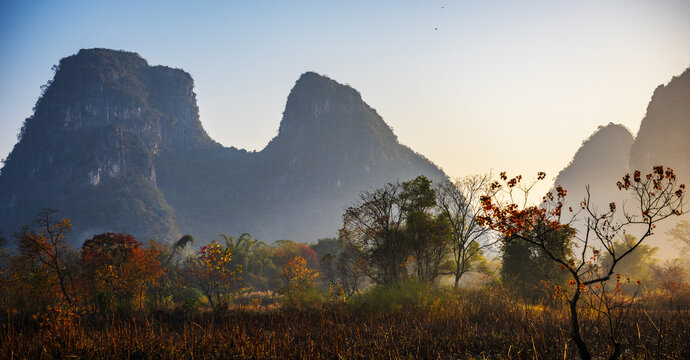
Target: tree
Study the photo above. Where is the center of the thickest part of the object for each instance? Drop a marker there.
(426, 235)
(326, 246)
(170, 287)
(344, 271)
(46, 244)
(372, 227)
(392, 225)
(681, 233)
(287, 249)
(120, 269)
(5, 274)
(300, 290)
(670, 276)
(212, 272)
(638, 264)
(657, 196)
(459, 204)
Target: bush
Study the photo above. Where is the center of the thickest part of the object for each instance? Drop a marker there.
(407, 295)
(189, 300)
(302, 297)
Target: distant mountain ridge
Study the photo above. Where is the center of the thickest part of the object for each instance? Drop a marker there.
(117, 145)
(600, 162)
(612, 151)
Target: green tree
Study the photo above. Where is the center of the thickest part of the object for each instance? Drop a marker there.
(396, 230)
(529, 269)
(426, 235)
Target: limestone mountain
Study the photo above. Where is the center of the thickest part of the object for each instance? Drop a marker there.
(116, 145)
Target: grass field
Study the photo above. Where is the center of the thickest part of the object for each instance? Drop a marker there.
(469, 325)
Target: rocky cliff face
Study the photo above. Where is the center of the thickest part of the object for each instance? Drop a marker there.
(90, 146)
(331, 145)
(117, 145)
(599, 163)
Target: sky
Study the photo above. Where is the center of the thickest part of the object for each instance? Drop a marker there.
(472, 85)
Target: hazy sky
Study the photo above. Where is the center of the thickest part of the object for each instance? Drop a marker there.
(472, 85)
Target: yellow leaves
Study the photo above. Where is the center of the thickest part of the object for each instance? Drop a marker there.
(296, 271)
(216, 260)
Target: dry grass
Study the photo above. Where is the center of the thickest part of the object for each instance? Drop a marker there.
(473, 325)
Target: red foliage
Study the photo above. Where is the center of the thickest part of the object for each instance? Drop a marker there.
(292, 249)
(108, 249)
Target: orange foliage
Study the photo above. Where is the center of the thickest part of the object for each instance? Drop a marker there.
(120, 266)
(296, 271)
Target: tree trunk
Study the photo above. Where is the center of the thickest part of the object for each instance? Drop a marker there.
(62, 287)
(616, 350)
(457, 274)
(575, 334)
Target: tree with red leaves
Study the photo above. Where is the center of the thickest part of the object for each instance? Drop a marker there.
(119, 268)
(657, 196)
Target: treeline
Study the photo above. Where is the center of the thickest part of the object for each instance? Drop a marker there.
(415, 230)
(115, 273)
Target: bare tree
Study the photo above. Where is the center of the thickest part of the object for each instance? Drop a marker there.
(47, 244)
(459, 203)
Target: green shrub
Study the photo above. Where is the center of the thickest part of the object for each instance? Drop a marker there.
(301, 297)
(407, 295)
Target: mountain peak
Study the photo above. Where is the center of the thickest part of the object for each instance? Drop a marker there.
(96, 88)
(606, 150)
(318, 103)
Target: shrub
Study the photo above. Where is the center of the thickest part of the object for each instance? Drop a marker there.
(408, 295)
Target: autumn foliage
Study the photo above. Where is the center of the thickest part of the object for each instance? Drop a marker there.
(299, 291)
(212, 272)
(119, 269)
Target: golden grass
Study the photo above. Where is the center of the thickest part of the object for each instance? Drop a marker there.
(471, 325)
